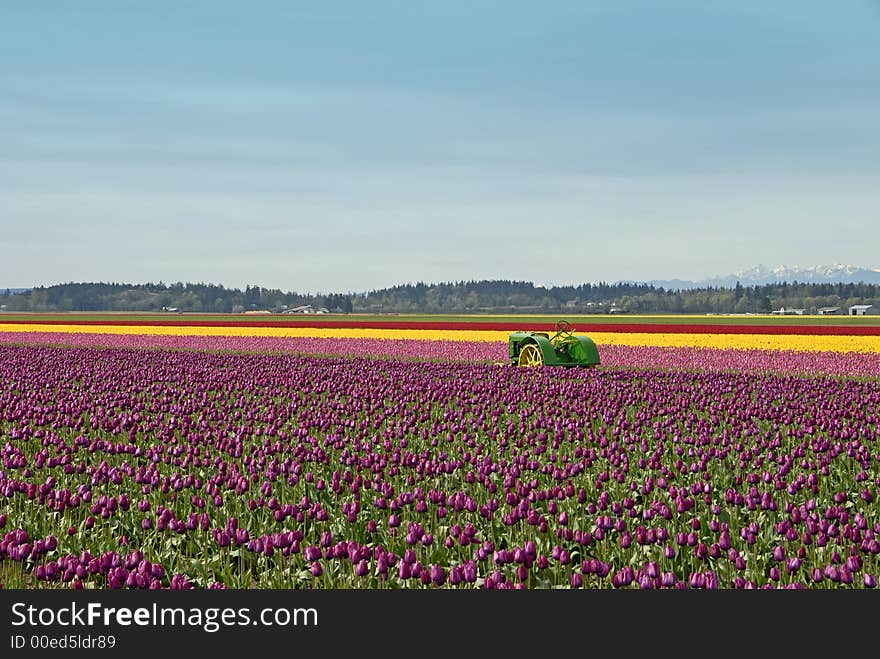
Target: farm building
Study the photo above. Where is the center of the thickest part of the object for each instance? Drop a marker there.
(828, 311)
(782, 311)
(863, 310)
(305, 308)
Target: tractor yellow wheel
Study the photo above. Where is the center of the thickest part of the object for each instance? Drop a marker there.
(530, 355)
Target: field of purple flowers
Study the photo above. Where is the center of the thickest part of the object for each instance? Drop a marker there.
(126, 468)
(704, 359)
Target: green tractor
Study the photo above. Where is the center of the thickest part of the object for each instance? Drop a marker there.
(561, 349)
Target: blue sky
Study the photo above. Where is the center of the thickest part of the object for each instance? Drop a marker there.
(346, 146)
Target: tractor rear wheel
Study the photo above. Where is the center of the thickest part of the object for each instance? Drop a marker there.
(531, 355)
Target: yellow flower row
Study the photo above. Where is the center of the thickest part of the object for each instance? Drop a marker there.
(300, 332)
(798, 342)
(867, 344)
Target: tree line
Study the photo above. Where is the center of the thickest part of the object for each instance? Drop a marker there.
(496, 296)
(525, 297)
(185, 297)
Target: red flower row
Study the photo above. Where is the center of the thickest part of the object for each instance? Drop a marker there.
(666, 328)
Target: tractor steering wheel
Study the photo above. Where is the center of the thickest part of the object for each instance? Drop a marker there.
(563, 329)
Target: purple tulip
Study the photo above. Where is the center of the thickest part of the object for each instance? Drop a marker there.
(711, 581)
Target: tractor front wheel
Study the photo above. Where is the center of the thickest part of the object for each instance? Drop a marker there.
(531, 355)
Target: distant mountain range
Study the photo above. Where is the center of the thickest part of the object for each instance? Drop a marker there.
(762, 274)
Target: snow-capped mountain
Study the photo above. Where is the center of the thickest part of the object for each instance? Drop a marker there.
(762, 274)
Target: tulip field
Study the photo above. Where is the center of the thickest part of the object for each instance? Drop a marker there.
(295, 456)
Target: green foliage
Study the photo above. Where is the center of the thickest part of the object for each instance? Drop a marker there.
(461, 297)
(205, 298)
(499, 297)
